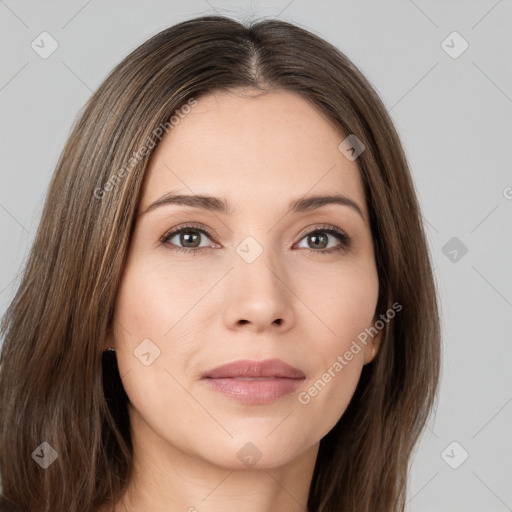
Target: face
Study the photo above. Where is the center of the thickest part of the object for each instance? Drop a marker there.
(259, 280)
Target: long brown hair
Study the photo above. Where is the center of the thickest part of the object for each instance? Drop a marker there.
(57, 386)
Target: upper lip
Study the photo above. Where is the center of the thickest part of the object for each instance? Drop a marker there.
(248, 368)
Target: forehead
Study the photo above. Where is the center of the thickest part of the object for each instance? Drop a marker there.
(254, 150)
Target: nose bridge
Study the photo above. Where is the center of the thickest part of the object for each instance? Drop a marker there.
(258, 267)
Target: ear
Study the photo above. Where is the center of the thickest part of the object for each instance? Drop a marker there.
(373, 345)
(109, 341)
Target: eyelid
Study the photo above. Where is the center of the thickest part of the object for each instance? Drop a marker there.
(323, 227)
(177, 229)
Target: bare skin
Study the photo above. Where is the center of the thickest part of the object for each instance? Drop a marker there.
(205, 309)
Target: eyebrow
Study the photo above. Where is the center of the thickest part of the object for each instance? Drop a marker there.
(218, 205)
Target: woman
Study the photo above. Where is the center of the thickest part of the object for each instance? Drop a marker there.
(229, 302)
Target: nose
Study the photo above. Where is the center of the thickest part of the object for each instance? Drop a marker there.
(258, 296)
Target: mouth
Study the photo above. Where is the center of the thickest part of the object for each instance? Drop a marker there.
(244, 368)
(254, 382)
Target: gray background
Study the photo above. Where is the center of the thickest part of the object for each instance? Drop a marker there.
(454, 118)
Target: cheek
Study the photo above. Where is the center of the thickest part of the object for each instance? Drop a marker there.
(153, 301)
(343, 299)
(346, 306)
(160, 321)
(155, 342)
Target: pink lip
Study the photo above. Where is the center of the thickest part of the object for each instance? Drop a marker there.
(275, 379)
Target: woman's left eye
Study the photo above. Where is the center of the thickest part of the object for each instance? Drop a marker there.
(190, 236)
(321, 240)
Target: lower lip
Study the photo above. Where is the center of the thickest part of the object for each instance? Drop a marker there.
(255, 392)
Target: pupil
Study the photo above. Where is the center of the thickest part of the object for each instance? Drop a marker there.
(188, 236)
(317, 237)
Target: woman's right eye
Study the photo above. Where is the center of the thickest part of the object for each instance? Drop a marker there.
(188, 236)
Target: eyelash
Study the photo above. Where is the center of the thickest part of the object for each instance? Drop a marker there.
(332, 230)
